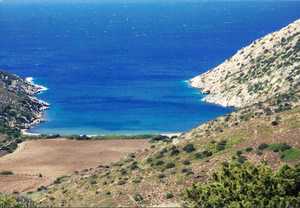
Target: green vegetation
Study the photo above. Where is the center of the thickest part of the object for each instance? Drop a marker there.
(246, 185)
(138, 198)
(291, 154)
(286, 152)
(7, 201)
(189, 148)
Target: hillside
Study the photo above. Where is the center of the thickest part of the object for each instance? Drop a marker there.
(262, 80)
(19, 109)
(267, 67)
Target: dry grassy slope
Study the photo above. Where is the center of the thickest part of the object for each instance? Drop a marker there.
(167, 168)
(268, 66)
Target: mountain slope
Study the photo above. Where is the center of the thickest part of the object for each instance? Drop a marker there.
(265, 128)
(18, 107)
(267, 67)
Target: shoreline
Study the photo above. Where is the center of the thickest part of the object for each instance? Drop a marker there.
(41, 104)
(25, 132)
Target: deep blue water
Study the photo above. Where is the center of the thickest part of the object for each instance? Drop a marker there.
(120, 68)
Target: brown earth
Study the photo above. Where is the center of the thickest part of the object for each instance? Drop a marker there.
(40, 162)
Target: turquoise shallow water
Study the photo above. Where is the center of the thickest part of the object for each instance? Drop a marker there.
(115, 68)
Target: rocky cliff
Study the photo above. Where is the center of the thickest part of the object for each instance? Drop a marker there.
(267, 67)
(18, 106)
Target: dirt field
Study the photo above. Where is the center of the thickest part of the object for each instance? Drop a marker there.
(57, 157)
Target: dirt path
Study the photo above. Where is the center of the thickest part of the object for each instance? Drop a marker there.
(56, 157)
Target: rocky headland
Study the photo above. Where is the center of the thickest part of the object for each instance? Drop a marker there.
(268, 67)
(19, 108)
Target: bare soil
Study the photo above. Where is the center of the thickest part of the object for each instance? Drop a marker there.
(40, 162)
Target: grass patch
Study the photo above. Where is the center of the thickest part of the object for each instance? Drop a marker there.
(291, 154)
(279, 147)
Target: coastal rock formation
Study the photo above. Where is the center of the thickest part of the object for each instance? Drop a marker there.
(18, 106)
(268, 67)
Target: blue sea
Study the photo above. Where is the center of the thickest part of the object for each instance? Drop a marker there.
(121, 67)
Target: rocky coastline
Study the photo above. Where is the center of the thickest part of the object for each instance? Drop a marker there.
(19, 106)
(268, 67)
(42, 105)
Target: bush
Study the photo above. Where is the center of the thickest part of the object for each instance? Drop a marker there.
(7, 201)
(159, 162)
(246, 185)
(185, 170)
(137, 180)
(6, 172)
(138, 198)
(221, 145)
(42, 188)
(263, 146)
(169, 195)
(174, 151)
(160, 138)
(149, 160)
(186, 162)
(241, 159)
(239, 152)
(189, 148)
(279, 147)
(121, 182)
(248, 149)
(170, 165)
(160, 176)
(199, 155)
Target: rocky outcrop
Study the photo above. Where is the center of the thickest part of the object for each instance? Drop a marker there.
(268, 67)
(18, 106)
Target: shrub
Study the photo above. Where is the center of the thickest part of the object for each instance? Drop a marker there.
(123, 171)
(221, 145)
(207, 153)
(186, 162)
(133, 165)
(170, 165)
(160, 176)
(241, 159)
(239, 152)
(279, 147)
(169, 195)
(263, 146)
(6, 172)
(246, 185)
(185, 170)
(248, 149)
(189, 148)
(174, 151)
(159, 162)
(199, 155)
(7, 201)
(149, 160)
(159, 138)
(42, 188)
(137, 180)
(138, 198)
(121, 182)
